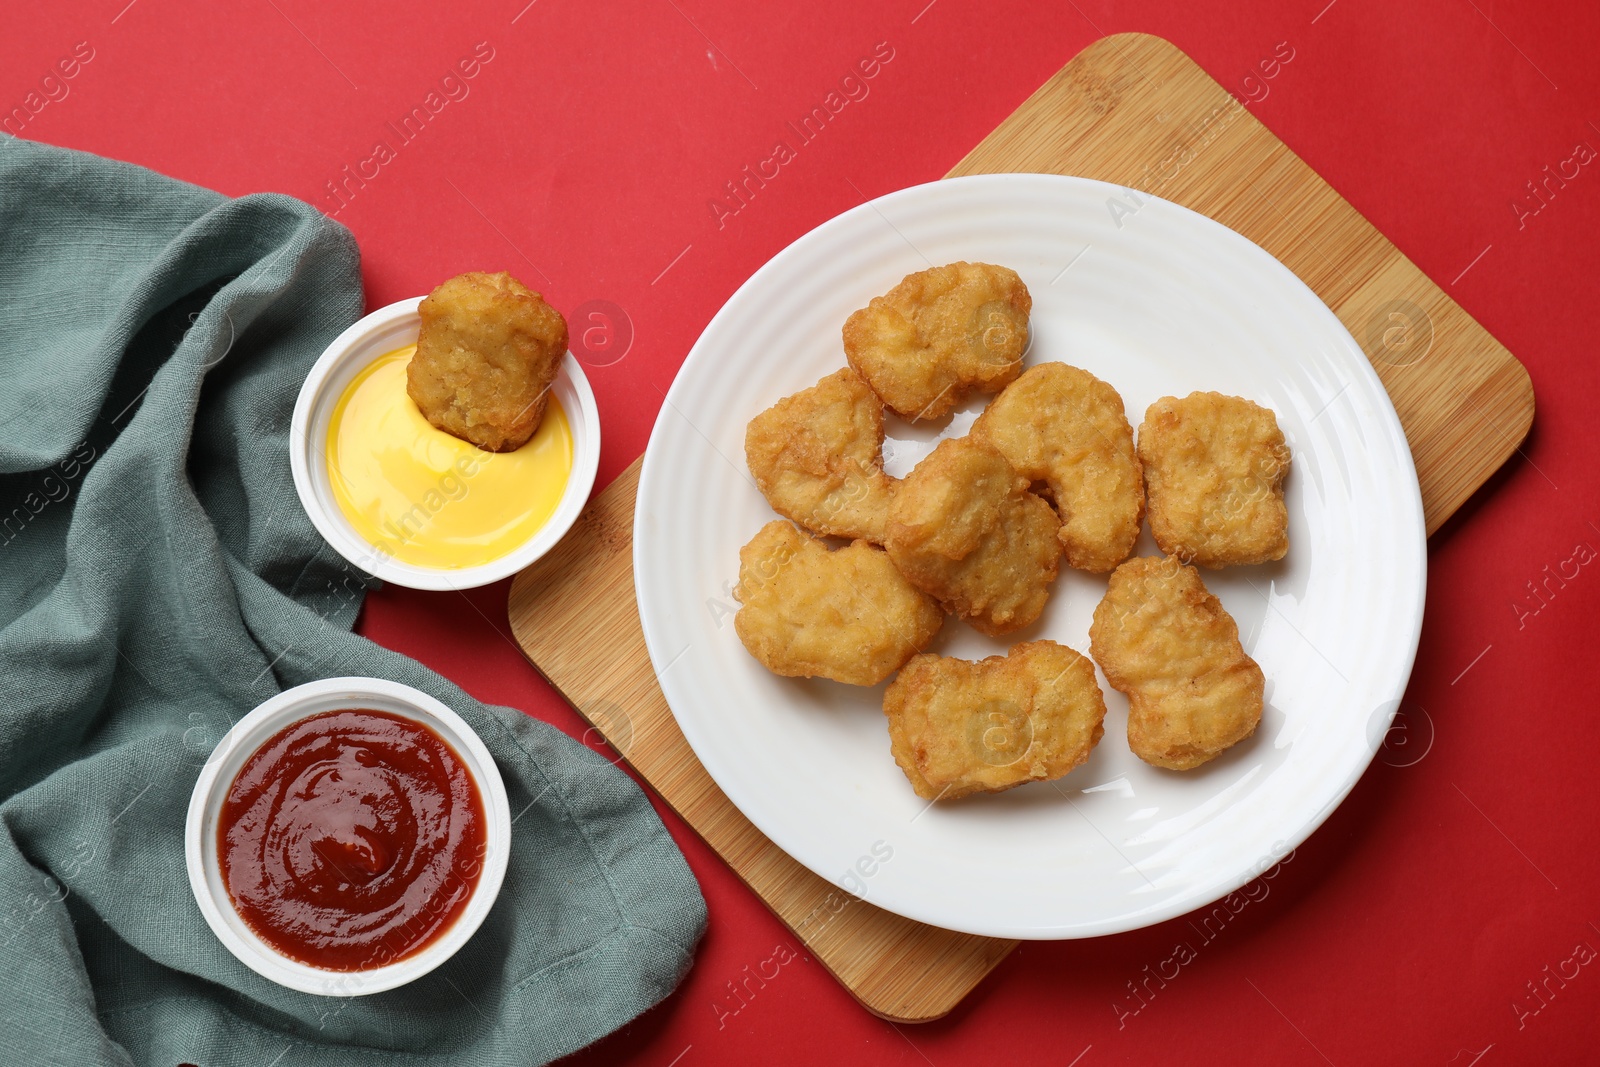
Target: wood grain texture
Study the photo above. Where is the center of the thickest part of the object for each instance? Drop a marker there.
(1134, 110)
(1130, 109)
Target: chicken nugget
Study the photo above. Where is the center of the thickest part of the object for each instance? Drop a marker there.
(1061, 425)
(958, 727)
(817, 457)
(965, 528)
(1167, 643)
(487, 351)
(809, 612)
(940, 335)
(1215, 467)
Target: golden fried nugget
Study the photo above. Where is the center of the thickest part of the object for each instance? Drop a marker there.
(809, 612)
(964, 527)
(1167, 643)
(1215, 467)
(1061, 425)
(817, 457)
(939, 335)
(957, 727)
(487, 351)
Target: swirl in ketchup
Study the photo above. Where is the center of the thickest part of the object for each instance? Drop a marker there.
(351, 839)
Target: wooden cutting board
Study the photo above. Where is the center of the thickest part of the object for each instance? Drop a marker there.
(1134, 110)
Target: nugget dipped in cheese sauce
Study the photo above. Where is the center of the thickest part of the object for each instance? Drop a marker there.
(487, 352)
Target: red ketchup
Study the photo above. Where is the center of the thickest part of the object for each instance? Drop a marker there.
(351, 839)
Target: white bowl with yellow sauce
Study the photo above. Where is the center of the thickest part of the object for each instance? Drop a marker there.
(416, 506)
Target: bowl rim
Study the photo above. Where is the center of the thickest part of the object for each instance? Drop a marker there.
(308, 463)
(247, 736)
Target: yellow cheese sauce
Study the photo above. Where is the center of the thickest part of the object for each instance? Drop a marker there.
(426, 497)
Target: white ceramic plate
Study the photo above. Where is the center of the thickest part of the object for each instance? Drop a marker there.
(1161, 301)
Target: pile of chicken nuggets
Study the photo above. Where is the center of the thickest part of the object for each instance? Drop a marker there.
(979, 529)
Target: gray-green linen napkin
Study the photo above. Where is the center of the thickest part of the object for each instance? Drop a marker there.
(158, 579)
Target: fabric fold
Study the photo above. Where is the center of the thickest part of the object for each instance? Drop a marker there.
(158, 579)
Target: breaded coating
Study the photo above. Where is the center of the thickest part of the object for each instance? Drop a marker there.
(1167, 643)
(965, 528)
(1214, 466)
(940, 335)
(1061, 425)
(958, 727)
(810, 612)
(487, 351)
(817, 457)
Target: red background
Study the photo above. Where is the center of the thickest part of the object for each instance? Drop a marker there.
(1406, 930)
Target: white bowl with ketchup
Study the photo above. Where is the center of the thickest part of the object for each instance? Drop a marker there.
(347, 836)
(411, 504)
